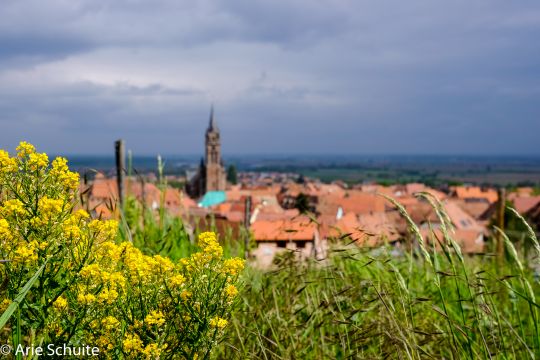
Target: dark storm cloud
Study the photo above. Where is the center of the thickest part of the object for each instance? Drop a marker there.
(297, 76)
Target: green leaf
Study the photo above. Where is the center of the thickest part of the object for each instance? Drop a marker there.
(20, 297)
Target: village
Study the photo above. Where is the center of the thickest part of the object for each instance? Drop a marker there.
(284, 211)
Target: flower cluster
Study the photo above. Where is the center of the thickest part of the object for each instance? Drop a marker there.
(94, 289)
(163, 305)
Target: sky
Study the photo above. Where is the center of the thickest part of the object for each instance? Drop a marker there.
(285, 76)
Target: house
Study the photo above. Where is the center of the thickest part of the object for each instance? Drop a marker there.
(102, 196)
(474, 194)
(300, 235)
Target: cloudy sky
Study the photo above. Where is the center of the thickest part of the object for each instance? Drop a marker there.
(285, 76)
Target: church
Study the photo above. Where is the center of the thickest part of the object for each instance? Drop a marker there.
(211, 176)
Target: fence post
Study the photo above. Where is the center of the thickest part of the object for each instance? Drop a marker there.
(120, 168)
(247, 218)
(500, 221)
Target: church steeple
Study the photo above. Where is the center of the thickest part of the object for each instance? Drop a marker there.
(212, 124)
(211, 175)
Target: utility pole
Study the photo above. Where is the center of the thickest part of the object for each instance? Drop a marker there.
(500, 221)
(120, 168)
(247, 218)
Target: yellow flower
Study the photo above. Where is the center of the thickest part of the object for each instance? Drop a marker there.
(50, 208)
(152, 351)
(59, 166)
(155, 318)
(25, 149)
(110, 323)
(60, 303)
(177, 280)
(231, 291)
(185, 295)
(4, 304)
(69, 179)
(132, 343)
(104, 343)
(38, 160)
(218, 322)
(207, 238)
(86, 299)
(117, 279)
(81, 214)
(163, 264)
(90, 271)
(13, 207)
(233, 266)
(71, 231)
(25, 253)
(107, 296)
(5, 232)
(7, 164)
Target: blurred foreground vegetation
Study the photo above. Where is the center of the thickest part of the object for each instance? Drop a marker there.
(362, 303)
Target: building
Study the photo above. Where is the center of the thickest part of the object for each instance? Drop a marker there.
(211, 175)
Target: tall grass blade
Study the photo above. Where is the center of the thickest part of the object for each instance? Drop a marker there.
(20, 297)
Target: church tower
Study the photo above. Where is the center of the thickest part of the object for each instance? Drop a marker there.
(215, 179)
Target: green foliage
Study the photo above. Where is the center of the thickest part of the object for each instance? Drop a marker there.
(64, 278)
(302, 203)
(232, 175)
(365, 305)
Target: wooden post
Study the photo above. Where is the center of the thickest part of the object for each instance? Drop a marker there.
(120, 168)
(247, 218)
(500, 221)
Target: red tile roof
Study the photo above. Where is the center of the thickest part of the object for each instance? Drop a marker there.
(475, 192)
(354, 201)
(299, 229)
(524, 204)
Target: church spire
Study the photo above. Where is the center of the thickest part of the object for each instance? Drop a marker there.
(212, 124)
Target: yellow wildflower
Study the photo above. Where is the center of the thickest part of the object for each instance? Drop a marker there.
(163, 264)
(104, 343)
(81, 214)
(50, 208)
(152, 351)
(185, 295)
(231, 291)
(132, 343)
(117, 279)
(13, 207)
(59, 166)
(37, 161)
(177, 280)
(60, 303)
(91, 271)
(233, 266)
(7, 164)
(70, 180)
(25, 253)
(86, 299)
(108, 296)
(4, 304)
(218, 322)
(207, 238)
(155, 318)
(5, 232)
(110, 323)
(25, 149)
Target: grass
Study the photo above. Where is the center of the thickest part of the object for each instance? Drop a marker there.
(370, 303)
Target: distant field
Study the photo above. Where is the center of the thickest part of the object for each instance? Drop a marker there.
(436, 178)
(502, 170)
